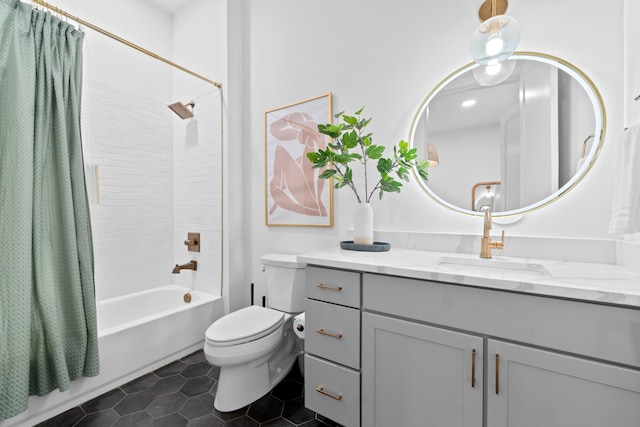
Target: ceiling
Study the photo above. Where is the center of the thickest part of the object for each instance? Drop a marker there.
(170, 6)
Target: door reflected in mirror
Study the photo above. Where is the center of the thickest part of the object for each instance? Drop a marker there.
(511, 138)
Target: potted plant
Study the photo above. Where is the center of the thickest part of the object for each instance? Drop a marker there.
(349, 143)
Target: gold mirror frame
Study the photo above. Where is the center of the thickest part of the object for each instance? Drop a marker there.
(599, 130)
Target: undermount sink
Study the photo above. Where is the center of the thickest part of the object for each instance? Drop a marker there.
(492, 265)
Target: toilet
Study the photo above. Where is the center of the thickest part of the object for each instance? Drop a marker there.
(255, 347)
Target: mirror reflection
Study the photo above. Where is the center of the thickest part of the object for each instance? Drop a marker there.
(510, 137)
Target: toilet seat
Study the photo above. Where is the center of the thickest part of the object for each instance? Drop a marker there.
(244, 325)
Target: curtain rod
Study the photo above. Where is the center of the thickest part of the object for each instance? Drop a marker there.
(123, 41)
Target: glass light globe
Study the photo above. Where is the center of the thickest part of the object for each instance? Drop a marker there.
(495, 40)
(493, 74)
(494, 45)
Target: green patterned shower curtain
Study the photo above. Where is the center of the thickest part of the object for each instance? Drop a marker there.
(48, 334)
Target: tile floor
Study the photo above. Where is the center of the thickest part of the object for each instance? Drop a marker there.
(182, 394)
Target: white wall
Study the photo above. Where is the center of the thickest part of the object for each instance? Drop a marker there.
(387, 56)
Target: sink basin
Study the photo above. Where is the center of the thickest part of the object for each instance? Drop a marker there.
(492, 265)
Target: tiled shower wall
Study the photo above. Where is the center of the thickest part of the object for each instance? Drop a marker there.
(197, 192)
(149, 165)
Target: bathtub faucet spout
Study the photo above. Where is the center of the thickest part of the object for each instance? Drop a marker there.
(193, 265)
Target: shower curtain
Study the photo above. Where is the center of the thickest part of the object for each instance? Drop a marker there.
(48, 333)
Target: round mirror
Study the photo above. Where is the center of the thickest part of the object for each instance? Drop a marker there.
(511, 137)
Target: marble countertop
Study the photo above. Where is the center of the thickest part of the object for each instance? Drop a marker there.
(590, 282)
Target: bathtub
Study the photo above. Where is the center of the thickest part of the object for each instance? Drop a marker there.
(137, 333)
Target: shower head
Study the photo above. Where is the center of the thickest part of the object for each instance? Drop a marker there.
(181, 109)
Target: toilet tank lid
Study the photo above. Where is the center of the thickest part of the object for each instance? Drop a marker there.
(282, 260)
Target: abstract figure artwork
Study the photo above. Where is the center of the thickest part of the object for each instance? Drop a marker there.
(294, 194)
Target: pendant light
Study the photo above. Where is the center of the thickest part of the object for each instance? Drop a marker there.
(497, 36)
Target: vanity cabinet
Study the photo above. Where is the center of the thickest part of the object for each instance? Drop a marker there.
(431, 353)
(332, 344)
(420, 339)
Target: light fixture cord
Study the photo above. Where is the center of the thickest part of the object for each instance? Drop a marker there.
(494, 7)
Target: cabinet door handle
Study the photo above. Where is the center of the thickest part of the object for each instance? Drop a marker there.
(473, 368)
(497, 373)
(329, 288)
(329, 334)
(321, 390)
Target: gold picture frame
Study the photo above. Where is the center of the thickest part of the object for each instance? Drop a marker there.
(294, 194)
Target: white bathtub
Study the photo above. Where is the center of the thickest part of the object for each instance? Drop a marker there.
(137, 333)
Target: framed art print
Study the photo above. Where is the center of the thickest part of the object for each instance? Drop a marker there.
(294, 194)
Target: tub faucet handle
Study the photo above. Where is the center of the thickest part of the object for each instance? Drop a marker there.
(193, 242)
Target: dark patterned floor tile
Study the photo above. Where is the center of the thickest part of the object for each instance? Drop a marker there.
(241, 422)
(195, 357)
(278, 422)
(166, 397)
(196, 407)
(65, 419)
(145, 382)
(327, 421)
(226, 416)
(197, 386)
(138, 419)
(173, 368)
(265, 409)
(104, 401)
(166, 404)
(134, 402)
(206, 421)
(173, 420)
(196, 370)
(295, 411)
(169, 384)
(288, 389)
(317, 423)
(99, 419)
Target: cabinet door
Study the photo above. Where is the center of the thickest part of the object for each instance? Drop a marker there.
(541, 388)
(417, 375)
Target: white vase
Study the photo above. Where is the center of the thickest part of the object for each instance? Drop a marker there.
(363, 224)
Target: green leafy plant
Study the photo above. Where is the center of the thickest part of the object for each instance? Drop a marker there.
(351, 143)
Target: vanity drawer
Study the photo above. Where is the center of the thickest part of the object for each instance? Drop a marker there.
(336, 286)
(332, 390)
(333, 332)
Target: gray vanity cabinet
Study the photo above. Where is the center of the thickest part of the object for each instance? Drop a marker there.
(538, 361)
(394, 351)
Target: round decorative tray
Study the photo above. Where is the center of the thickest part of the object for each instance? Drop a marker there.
(375, 247)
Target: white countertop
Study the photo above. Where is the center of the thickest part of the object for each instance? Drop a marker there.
(591, 282)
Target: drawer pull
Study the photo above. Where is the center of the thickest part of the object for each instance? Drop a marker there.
(333, 396)
(497, 374)
(329, 334)
(473, 368)
(329, 288)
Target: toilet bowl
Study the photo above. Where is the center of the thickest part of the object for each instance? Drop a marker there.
(256, 347)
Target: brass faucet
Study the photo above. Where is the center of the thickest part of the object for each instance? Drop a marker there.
(487, 244)
(192, 265)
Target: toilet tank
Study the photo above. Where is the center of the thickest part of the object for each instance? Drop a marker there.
(285, 282)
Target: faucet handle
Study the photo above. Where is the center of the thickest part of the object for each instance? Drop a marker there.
(500, 244)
